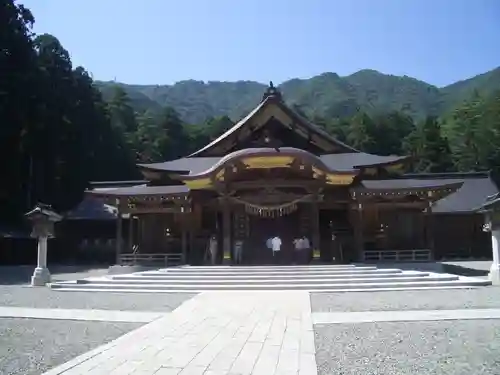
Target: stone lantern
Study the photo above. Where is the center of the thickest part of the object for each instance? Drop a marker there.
(491, 211)
(43, 219)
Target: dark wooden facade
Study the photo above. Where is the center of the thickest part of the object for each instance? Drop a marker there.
(274, 173)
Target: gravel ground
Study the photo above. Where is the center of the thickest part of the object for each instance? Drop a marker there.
(22, 296)
(21, 275)
(16, 292)
(423, 348)
(31, 346)
(485, 297)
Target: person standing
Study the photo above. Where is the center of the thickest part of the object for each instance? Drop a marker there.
(238, 251)
(276, 247)
(298, 244)
(212, 249)
(306, 249)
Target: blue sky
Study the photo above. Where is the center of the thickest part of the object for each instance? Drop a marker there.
(164, 41)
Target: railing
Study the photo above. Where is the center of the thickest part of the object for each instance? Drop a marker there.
(419, 255)
(163, 260)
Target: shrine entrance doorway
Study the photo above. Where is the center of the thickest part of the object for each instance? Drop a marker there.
(286, 227)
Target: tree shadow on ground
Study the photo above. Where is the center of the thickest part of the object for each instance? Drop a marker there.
(21, 275)
(464, 271)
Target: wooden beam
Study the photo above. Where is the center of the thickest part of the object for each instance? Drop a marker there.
(156, 210)
(256, 184)
(397, 205)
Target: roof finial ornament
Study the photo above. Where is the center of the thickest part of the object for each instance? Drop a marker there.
(272, 92)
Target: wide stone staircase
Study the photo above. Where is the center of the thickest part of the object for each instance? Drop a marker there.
(317, 278)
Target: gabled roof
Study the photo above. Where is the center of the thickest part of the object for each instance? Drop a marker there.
(476, 188)
(273, 98)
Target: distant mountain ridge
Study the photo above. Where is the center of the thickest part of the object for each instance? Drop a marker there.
(326, 95)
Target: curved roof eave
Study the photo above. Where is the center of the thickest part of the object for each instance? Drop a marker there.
(230, 131)
(397, 160)
(256, 152)
(152, 168)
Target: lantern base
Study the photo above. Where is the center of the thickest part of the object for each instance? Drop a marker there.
(40, 277)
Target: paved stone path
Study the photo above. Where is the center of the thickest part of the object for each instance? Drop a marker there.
(80, 314)
(213, 334)
(403, 316)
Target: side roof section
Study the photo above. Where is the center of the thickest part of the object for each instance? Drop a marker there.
(476, 188)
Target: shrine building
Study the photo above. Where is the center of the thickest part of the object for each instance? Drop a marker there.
(274, 173)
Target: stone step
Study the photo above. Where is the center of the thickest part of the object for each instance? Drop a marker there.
(264, 268)
(239, 282)
(300, 276)
(327, 286)
(270, 273)
(378, 289)
(269, 267)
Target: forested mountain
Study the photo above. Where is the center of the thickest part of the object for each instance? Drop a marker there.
(326, 95)
(59, 130)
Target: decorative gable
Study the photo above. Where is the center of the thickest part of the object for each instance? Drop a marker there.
(273, 121)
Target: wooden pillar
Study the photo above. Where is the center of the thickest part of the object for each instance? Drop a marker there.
(358, 233)
(140, 231)
(119, 231)
(429, 227)
(131, 233)
(191, 246)
(226, 228)
(316, 237)
(184, 236)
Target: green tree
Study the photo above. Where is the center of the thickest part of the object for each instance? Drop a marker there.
(216, 126)
(360, 134)
(149, 139)
(430, 150)
(176, 138)
(122, 114)
(389, 130)
(18, 107)
(106, 154)
(473, 129)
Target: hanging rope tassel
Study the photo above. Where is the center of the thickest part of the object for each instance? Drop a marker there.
(272, 210)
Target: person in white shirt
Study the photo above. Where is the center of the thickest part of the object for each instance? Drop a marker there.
(269, 243)
(276, 245)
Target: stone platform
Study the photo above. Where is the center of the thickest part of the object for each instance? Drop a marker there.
(313, 278)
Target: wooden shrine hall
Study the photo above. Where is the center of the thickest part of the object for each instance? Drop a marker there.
(274, 173)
